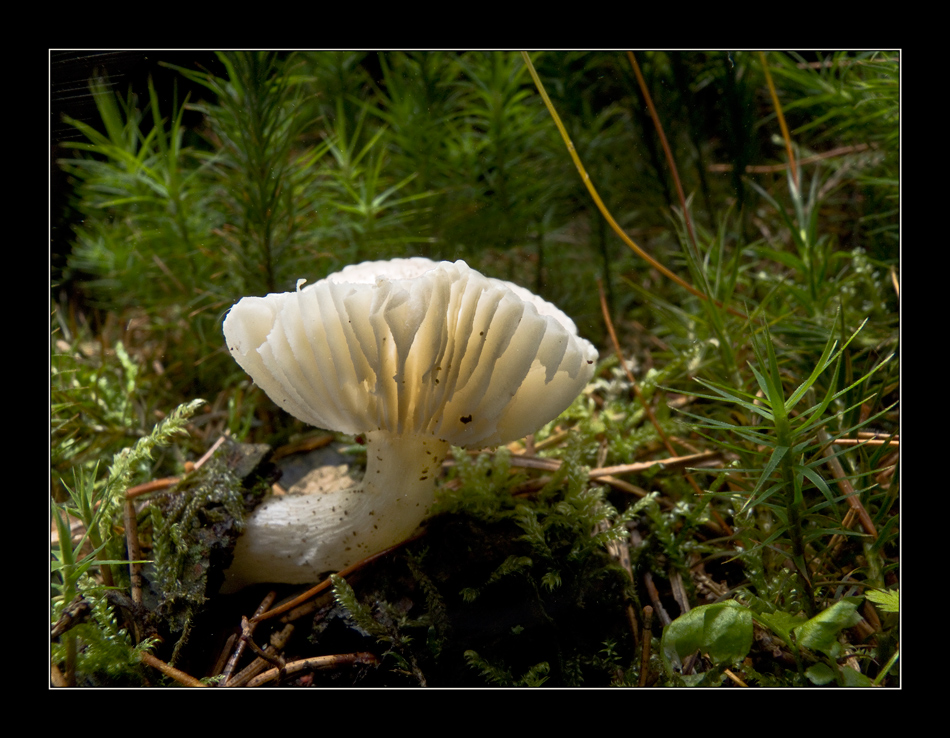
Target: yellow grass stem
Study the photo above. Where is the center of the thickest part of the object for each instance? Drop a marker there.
(781, 119)
(594, 194)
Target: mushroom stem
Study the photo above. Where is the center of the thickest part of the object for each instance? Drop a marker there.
(399, 486)
(296, 538)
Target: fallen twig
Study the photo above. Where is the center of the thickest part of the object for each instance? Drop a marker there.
(247, 628)
(845, 486)
(170, 671)
(314, 664)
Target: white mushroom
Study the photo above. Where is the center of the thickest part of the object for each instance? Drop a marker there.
(414, 356)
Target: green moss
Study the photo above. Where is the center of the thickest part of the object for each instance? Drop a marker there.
(195, 525)
(504, 590)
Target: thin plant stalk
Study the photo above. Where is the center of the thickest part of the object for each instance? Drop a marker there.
(585, 177)
(781, 119)
(666, 145)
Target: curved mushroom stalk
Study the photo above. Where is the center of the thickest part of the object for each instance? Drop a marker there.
(296, 538)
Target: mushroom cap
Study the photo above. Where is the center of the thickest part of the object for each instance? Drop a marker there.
(414, 347)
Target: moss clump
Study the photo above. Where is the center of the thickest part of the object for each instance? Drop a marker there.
(195, 526)
(503, 591)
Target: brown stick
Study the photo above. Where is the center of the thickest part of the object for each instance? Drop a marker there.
(315, 664)
(846, 487)
(170, 671)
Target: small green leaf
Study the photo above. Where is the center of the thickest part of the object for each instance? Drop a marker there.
(780, 623)
(820, 674)
(852, 678)
(888, 600)
(682, 637)
(821, 632)
(727, 631)
(723, 631)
